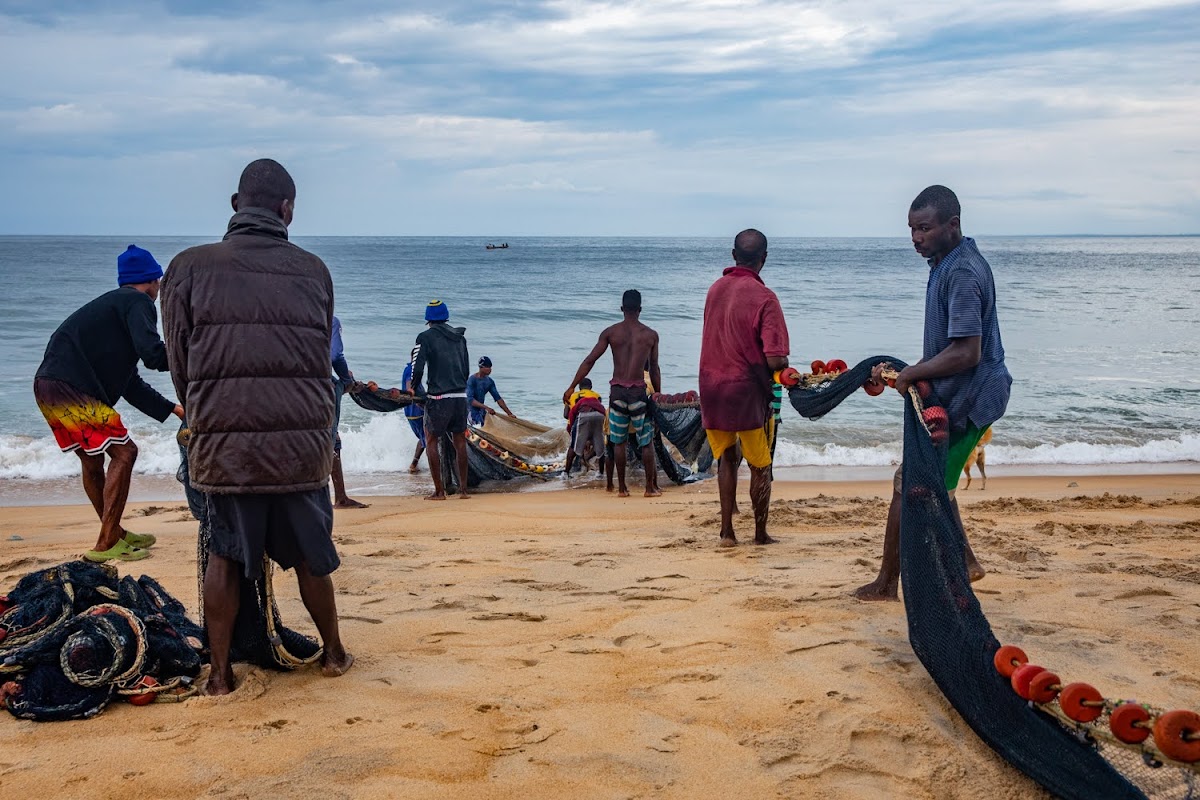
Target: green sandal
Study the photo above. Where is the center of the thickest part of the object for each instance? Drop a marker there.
(122, 551)
(142, 540)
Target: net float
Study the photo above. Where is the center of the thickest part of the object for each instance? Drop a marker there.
(1021, 678)
(1081, 702)
(1130, 723)
(1008, 658)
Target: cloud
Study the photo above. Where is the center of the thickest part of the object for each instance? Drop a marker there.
(568, 116)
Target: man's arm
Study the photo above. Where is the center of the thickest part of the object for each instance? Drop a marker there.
(337, 353)
(959, 356)
(964, 307)
(655, 372)
(774, 333)
(145, 398)
(418, 364)
(588, 363)
(142, 321)
(500, 400)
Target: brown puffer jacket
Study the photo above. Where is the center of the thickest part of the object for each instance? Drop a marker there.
(247, 323)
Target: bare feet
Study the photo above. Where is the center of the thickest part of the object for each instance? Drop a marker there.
(347, 502)
(219, 684)
(877, 591)
(609, 489)
(653, 493)
(727, 541)
(333, 667)
(975, 571)
(765, 539)
(436, 496)
(623, 492)
(463, 495)
(413, 468)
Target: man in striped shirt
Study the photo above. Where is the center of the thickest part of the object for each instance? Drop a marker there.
(963, 358)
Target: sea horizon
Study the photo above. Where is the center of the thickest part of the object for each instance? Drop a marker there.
(1095, 384)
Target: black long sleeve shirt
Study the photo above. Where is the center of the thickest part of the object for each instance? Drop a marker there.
(96, 350)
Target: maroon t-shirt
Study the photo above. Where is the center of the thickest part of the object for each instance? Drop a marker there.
(743, 324)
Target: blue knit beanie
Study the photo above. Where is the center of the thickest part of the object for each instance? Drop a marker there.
(136, 265)
(437, 311)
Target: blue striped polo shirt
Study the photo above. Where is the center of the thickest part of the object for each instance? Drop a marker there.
(960, 301)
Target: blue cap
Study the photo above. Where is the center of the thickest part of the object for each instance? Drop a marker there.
(485, 362)
(136, 265)
(437, 311)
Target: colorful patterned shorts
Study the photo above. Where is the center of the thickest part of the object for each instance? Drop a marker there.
(627, 416)
(79, 422)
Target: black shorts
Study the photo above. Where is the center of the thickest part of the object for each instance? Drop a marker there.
(291, 528)
(448, 415)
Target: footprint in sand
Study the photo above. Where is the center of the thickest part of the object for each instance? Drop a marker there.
(635, 640)
(693, 677)
(519, 616)
(250, 684)
(699, 646)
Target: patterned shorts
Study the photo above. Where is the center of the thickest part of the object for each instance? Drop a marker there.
(627, 416)
(79, 422)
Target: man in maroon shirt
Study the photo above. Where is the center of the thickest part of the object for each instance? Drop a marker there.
(745, 341)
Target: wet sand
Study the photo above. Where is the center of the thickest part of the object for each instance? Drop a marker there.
(551, 644)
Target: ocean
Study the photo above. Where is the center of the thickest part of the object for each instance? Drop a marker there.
(1102, 337)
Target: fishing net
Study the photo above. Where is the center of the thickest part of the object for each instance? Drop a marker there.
(505, 447)
(82, 638)
(259, 637)
(947, 627)
(677, 418)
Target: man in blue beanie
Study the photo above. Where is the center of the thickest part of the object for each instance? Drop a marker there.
(442, 350)
(90, 363)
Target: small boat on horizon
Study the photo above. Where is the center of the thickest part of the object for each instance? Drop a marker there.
(496, 246)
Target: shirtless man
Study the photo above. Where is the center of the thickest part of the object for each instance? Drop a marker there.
(634, 345)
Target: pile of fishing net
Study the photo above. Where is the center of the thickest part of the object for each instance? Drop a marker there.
(505, 447)
(953, 640)
(74, 637)
(259, 637)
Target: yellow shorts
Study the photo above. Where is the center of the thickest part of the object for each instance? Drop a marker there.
(756, 444)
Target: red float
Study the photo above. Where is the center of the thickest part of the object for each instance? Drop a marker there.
(873, 389)
(1008, 658)
(836, 365)
(817, 367)
(924, 389)
(1021, 677)
(1044, 687)
(1177, 734)
(1130, 723)
(1081, 702)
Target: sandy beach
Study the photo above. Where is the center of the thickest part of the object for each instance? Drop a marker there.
(567, 643)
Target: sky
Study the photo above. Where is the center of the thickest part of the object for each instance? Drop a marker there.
(568, 117)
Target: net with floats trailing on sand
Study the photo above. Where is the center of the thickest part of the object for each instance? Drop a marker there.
(952, 638)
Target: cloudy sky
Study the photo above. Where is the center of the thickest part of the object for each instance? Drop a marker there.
(658, 117)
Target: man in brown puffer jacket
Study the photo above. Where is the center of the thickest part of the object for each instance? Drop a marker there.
(247, 323)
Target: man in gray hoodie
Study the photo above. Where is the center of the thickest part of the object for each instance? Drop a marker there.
(442, 350)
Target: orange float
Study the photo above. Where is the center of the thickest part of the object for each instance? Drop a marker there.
(1081, 702)
(1022, 676)
(1130, 723)
(873, 389)
(1177, 734)
(1008, 658)
(1044, 687)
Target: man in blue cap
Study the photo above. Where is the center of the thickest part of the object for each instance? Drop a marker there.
(442, 350)
(90, 363)
(479, 386)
